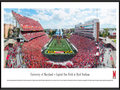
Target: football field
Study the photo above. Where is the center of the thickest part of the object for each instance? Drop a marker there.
(54, 46)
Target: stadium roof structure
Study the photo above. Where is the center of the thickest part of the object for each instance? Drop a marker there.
(27, 24)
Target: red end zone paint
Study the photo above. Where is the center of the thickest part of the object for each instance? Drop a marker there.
(57, 52)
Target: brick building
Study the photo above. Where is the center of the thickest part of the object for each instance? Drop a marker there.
(7, 27)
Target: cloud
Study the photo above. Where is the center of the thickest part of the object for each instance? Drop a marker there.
(90, 18)
(107, 16)
(8, 17)
(67, 17)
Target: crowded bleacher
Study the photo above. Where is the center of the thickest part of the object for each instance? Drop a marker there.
(11, 61)
(32, 56)
(31, 35)
(86, 56)
(30, 28)
(26, 23)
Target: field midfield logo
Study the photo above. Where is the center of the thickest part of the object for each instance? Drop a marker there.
(114, 74)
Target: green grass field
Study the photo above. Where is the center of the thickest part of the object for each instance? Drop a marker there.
(63, 46)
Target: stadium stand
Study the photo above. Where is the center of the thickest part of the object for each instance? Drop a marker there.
(32, 56)
(32, 35)
(30, 28)
(27, 24)
(33, 32)
(85, 58)
(11, 56)
(32, 51)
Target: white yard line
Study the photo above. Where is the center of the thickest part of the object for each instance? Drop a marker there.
(50, 44)
(67, 45)
(70, 47)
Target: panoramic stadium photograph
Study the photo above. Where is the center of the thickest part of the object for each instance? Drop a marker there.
(59, 38)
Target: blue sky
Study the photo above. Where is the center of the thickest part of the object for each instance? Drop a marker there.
(64, 17)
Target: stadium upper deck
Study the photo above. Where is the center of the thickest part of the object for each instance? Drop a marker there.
(27, 24)
(29, 28)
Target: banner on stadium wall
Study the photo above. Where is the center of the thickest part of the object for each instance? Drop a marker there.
(30, 27)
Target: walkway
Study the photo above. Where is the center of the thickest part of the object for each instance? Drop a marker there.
(107, 40)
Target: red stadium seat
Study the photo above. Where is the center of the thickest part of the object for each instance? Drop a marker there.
(27, 24)
(31, 50)
(86, 51)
